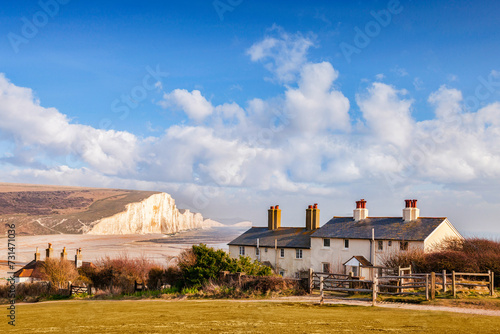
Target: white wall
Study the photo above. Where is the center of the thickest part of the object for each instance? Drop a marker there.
(289, 262)
(336, 254)
(443, 231)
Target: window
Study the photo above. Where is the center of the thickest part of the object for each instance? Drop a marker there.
(298, 253)
(257, 251)
(346, 243)
(380, 245)
(326, 267)
(282, 252)
(265, 250)
(326, 243)
(282, 272)
(242, 250)
(297, 274)
(389, 243)
(403, 245)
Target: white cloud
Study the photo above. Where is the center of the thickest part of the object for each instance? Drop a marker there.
(192, 103)
(446, 101)
(282, 53)
(314, 106)
(27, 123)
(299, 146)
(386, 114)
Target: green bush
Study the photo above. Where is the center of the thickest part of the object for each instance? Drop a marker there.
(201, 264)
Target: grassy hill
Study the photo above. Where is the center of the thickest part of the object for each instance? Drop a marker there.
(40, 209)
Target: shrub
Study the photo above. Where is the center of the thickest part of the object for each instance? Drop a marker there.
(156, 277)
(59, 272)
(460, 255)
(201, 263)
(120, 272)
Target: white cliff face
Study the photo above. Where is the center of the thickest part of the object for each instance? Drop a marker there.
(155, 214)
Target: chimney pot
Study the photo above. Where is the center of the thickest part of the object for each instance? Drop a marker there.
(411, 212)
(277, 207)
(271, 208)
(310, 206)
(315, 205)
(361, 212)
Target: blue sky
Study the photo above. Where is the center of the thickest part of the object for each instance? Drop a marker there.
(227, 70)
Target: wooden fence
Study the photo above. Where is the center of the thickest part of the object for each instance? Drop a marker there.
(75, 289)
(414, 284)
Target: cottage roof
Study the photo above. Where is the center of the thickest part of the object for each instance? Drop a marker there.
(287, 237)
(388, 228)
(358, 259)
(32, 269)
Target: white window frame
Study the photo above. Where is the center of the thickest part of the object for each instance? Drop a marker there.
(298, 254)
(346, 241)
(242, 250)
(389, 243)
(282, 253)
(282, 273)
(402, 245)
(380, 242)
(323, 267)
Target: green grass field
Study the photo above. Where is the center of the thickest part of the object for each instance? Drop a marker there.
(235, 317)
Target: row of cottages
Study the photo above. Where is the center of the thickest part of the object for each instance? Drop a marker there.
(32, 272)
(356, 244)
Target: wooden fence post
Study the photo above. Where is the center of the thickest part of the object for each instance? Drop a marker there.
(453, 284)
(321, 296)
(491, 279)
(310, 280)
(426, 286)
(374, 290)
(433, 285)
(444, 281)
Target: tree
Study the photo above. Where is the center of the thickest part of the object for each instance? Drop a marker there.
(59, 272)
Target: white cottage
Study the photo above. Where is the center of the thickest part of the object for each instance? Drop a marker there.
(287, 249)
(344, 244)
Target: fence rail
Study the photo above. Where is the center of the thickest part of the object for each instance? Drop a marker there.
(75, 289)
(419, 284)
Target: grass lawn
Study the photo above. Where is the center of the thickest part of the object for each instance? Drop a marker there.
(234, 317)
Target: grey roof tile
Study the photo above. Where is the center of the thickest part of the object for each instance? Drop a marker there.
(288, 237)
(388, 228)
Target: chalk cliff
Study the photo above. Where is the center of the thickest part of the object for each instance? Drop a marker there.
(156, 214)
(40, 209)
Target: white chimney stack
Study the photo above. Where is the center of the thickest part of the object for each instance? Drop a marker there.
(411, 212)
(361, 212)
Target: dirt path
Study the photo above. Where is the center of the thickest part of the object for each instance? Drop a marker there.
(330, 300)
